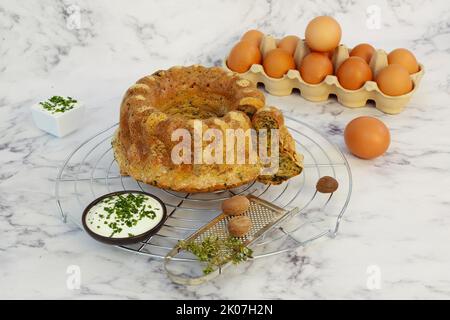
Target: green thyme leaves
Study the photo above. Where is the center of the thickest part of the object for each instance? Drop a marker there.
(216, 252)
(58, 104)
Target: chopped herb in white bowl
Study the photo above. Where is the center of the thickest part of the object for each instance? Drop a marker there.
(58, 104)
(58, 115)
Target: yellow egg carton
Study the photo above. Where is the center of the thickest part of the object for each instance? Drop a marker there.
(330, 85)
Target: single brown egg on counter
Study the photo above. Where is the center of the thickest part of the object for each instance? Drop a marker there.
(239, 226)
(243, 55)
(367, 137)
(278, 62)
(323, 34)
(363, 50)
(315, 67)
(235, 205)
(353, 73)
(254, 36)
(394, 80)
(404, 58)
(289, 43)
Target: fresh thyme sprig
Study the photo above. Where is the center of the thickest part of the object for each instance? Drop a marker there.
(216, 252)
(58, 104)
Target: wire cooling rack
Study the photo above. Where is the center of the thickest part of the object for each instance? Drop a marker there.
(91, 171)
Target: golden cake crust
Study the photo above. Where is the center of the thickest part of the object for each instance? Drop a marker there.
(157, 105)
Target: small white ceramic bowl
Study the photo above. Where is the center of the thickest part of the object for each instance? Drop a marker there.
(58, 124)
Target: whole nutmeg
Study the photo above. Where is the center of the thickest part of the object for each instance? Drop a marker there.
(327, 184)
(239, 226)
(235, 205)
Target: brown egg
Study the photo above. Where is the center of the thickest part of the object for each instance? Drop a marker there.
(363, 50)
(277, 63)
(239, 226)
(353, 73)
(394, 80)
(289, 43)
(328, 54)
(323, 34)
(243, 55)
(315, 67)
(405, 58)
(235, 205)
(367, 137)
(254, 36)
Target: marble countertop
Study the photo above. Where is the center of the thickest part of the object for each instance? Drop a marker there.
(394, 239)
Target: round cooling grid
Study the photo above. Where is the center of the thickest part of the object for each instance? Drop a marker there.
(91, 171)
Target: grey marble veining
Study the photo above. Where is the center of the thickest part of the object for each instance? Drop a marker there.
(398, 219)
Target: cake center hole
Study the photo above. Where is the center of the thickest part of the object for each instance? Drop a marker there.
(196, 105)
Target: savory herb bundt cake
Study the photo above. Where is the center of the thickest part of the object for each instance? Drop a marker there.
(181, 98)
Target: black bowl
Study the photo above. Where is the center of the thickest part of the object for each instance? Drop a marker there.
(127, 240)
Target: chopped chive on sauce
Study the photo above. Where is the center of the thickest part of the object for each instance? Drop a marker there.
(58, 104)
(128, 210)
(216, 252)
(125, 215)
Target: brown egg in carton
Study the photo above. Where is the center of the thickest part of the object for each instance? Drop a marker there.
(330, 85)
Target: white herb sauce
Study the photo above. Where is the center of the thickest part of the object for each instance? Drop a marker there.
(97, 216)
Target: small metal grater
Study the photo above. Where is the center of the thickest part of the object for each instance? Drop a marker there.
(264, 216)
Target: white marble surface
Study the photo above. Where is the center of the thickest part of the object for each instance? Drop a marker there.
(398, 219)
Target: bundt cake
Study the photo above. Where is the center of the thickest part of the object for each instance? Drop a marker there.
(183, 98)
